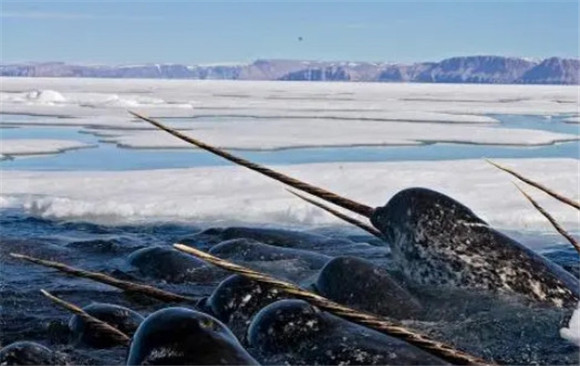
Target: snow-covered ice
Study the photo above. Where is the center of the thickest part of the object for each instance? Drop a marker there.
(415, 102)
(277, 115)
(258, 135)
(19, 147)
(235, 195)
(572, 119)
(53, 98)
(50, 97)
(279, 133)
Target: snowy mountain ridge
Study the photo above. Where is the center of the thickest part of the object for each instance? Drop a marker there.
(465, 69)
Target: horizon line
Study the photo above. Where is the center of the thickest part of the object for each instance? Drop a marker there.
(245, 63)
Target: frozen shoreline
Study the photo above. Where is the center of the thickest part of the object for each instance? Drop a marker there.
(222, 195)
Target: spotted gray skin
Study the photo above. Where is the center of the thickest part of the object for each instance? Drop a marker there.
(237, 299)
(293, 332)
(436, 240)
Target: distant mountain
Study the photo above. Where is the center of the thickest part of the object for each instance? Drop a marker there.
(476, 69)
(553, 71)
(470, 69)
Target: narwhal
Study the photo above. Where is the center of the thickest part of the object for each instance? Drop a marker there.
(436, 240)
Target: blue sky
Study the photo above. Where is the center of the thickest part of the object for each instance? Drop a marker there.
(116, 32)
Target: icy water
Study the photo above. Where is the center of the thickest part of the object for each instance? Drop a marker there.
(516, 332)
(506, 330)
(108, 156)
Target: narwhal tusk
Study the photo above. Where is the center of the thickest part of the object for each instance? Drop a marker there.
(380, 324)
(350, 220)
(127, 286)
(292, 182)
(99, 325)
(551, 219)
(537, 185)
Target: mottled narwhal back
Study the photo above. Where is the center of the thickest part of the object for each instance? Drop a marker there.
(439, 241)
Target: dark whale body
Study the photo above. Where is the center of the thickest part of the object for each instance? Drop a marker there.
(285, 239)
(365, 286)
(436, 240)
(181, 336)
(297, 333)
(237, 299)
(28, 353)
(296, 265)
(168, 264)
(120, 317)
(276, 237)
(251, 250)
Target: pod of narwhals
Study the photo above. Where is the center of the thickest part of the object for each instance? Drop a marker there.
(245, 322)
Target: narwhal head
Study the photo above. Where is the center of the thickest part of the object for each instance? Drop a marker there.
(416, 213)
(436, 240)
(432, 236)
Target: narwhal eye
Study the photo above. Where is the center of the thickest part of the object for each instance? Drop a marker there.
(207, 323)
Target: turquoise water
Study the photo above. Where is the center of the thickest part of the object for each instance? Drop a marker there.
(553, 124)
(59, 133)
(107, 156)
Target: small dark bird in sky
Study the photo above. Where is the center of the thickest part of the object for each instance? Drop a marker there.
(300, 39)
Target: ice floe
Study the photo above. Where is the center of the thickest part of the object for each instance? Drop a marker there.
(278, 115)
(43, 97)
(280, 134)
(572, 119)
(19, 147)
(235, 195)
